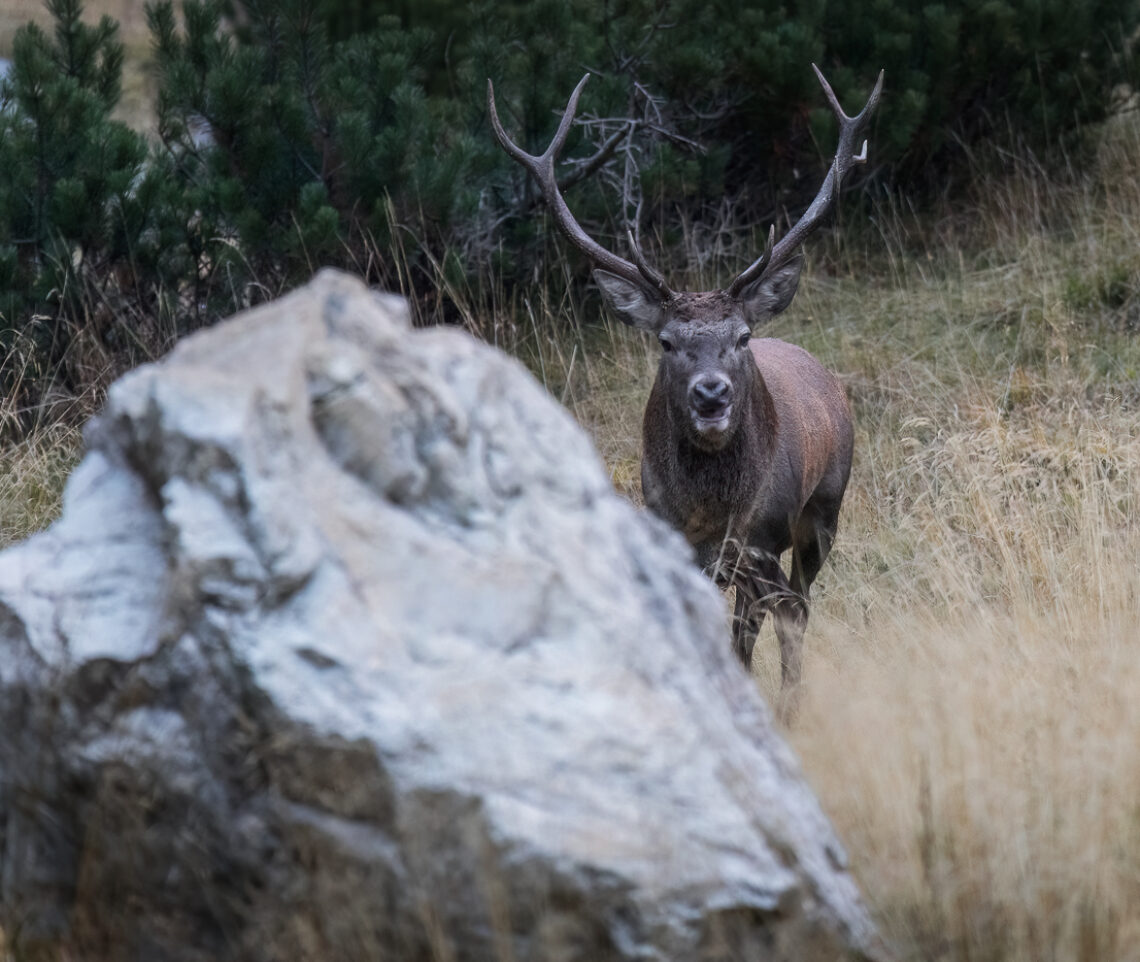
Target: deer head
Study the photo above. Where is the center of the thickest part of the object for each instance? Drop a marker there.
(706, 366)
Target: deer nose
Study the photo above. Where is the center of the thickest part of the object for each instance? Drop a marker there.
(711, 395)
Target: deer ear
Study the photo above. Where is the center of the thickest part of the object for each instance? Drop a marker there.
(636, 306)
(772, 293)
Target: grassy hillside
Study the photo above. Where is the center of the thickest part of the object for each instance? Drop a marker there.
(973, 687)
(972, 710)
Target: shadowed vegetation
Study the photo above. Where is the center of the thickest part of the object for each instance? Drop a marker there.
(294, 134)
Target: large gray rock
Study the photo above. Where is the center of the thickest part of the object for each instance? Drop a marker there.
(344, 648)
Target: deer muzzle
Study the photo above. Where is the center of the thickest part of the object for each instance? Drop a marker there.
(710, 403)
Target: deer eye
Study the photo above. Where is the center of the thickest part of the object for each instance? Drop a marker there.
(742, 343)
(666, 344)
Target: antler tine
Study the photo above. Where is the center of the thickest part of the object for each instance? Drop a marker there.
(513, 149)
(845, 158)
(541, 168)
(756, 268)
(850, 125)
(647, 270)
(566, 122)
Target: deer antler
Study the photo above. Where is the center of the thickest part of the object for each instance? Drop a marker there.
(542, 170)
(850, 129)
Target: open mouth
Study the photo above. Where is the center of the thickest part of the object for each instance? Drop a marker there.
(712, 423)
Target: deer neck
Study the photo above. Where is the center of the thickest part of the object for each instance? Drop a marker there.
(719, 483)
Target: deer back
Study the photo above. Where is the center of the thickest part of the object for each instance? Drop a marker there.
(814, 434)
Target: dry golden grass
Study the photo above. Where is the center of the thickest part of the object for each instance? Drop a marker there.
(32, 473)
(971, 718)
(973, 710)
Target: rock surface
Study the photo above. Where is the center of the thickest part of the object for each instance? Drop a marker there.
(344, 648)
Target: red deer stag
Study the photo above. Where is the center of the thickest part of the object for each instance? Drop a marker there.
(747, 443)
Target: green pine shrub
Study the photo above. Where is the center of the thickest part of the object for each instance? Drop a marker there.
(69, 208)
(283, 150)
(293, 134)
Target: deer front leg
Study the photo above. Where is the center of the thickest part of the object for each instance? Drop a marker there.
(747, 617)
(791, 620)
(789, 609)
(815, 534)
